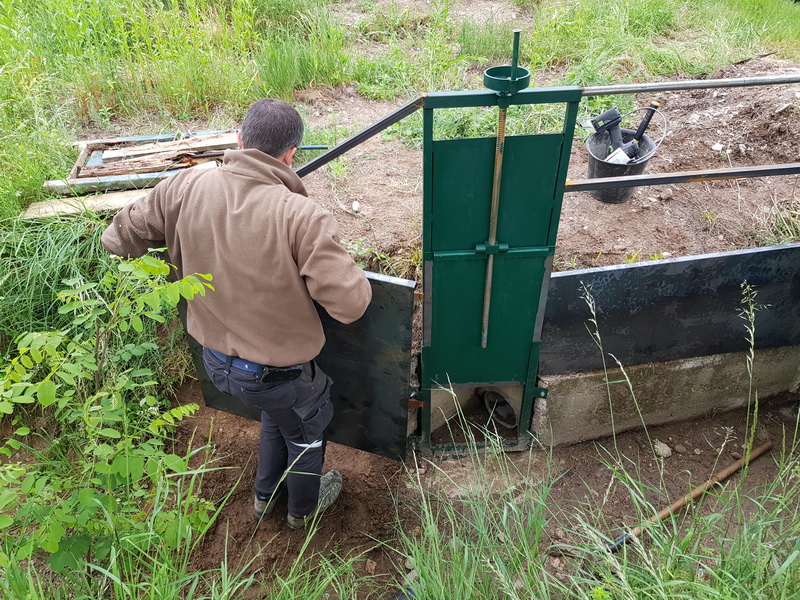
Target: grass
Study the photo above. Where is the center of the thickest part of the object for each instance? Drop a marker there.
(35, 258)
(68, 65)
(492, 538)
(781, 225)
(489, 537)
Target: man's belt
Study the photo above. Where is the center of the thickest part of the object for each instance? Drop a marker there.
(266, 373)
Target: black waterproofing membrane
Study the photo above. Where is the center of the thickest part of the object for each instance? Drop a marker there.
(678, 308)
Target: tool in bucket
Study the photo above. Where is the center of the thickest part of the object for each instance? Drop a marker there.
(620, 151)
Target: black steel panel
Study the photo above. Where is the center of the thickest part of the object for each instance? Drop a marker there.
(671, 309)
(370, 364)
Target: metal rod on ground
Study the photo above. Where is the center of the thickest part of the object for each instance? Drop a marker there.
(623, 539)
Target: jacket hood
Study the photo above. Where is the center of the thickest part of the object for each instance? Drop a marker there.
(255, 164)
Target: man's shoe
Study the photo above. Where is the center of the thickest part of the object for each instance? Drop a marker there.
(330, 486)
(262, 508)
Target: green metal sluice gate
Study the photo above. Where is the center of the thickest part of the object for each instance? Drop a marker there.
(485, 262)
(491, 210)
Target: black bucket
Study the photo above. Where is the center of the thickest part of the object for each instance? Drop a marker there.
(598, 147)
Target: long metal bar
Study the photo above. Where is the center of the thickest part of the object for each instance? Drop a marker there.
(468, 99)
(494, 211)
(667, 86)
(584, 185)
(362, 136)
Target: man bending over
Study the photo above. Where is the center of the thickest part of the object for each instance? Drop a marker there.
(272, 252)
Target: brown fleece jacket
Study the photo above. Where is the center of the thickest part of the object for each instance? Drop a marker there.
(270, 250)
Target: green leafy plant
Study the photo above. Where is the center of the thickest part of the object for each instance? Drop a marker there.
(633, 257)
(711, 221)
(103, 459)
(366, 256)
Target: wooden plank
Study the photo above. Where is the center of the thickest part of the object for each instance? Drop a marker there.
(223, 141)
(122, 141)
(84, 154)
(86, 185)
(99, 143)
(100, 203)
(177, 159)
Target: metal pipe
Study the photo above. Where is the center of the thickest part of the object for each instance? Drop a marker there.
(602, 183)
(515, 55)
(493, 215)
(361, 137)
(666, 86)
(623, 539)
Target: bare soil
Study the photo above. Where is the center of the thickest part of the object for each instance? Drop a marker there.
(707, 129)
(378, 497)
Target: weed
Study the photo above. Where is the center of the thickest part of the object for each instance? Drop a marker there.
(339, 169)
(392, 23)
(633, 257)
(107, 456)
(781, 225)
(711, 221)
(565, 265)
(407, 263)
(366, 256)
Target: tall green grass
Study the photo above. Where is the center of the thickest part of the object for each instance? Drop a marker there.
(36, 257)
(69, 64)
(492, 537)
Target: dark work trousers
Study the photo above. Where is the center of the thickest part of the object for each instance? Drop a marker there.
(294, 415)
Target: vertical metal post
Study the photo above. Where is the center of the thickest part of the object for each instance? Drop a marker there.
(498, 173)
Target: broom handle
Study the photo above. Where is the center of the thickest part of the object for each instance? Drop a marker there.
(688, 497)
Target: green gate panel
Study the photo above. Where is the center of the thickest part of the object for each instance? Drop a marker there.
(460, 204)
(462, 191)
(455, 352)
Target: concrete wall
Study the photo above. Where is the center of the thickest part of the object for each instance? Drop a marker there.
(577, 407)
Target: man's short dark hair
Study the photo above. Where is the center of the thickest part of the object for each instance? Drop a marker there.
(272, 126)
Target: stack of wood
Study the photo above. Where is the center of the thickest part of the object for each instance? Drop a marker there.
(132, 164)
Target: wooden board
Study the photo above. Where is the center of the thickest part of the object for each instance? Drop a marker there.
(200, 143)
(100, 203)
